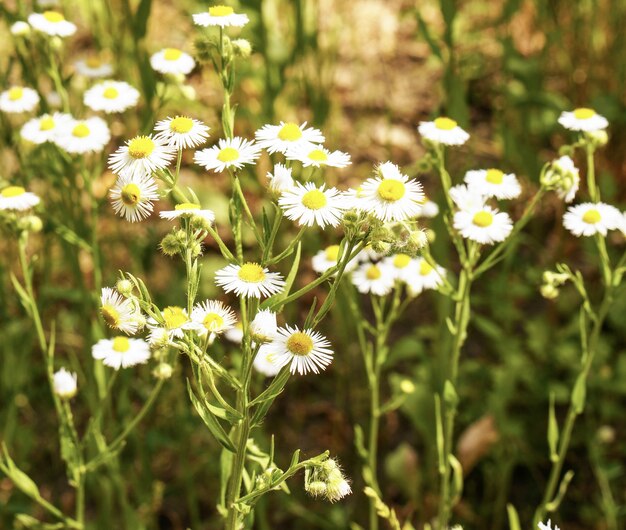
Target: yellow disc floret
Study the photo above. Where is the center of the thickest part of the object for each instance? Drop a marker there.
(213, 322)
(81, 131)
(483, 219)
(12, 191)
(174, 317)
(373, 273)
(46, 123)
(220, 11)
(445, 124)
(391, 190)
(93, 62)
(251, 273)
(314, 200)
(425, 268)
(317, 155)
(290, 132)
(111, 315)
(228, 154)
(121, 344)
(332, 252)
(400, 261)
(16, 93)
(181, 124)
(494, 176)
(187, 206)
(300, 343)
(130, 194)
(172, 54)
(584, 113)
(53, 16)
(592, 216)
(141, 147)
(110, 92)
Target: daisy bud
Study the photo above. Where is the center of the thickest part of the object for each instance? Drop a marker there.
(597, 138)
(64, 384)
(188, 92)
(316, 488)
(407, 386)
(56, 43)
(350, 218)
(125, 287)
(31, 223)
(196, 249)
(170, 245)
(20, 29)
(242, 48)
(159, 338)
(204, 48)
(430, 235)
(548, 291)
(263, 328)
(606, 434)
(163, 371)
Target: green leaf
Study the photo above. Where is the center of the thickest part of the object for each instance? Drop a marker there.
(21, 480)
(579, 393)
(140, 19)
(554, 504)
(450, 396)
(514, 523)
(274, 302)
(267, 397)
(210, 421)
(553, 431)
(457, 480)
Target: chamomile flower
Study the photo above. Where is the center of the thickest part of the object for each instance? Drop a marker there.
(249, 280)
(222, 16)
(93, 68)
(424, 276)
(212, 317)
(493, 183)
(373, 278)
(318, 156)
(547, 526)
(175, 321)
(264, 362)
(121, 352)
(443, 131)
(20, 28)
(589, 218)
(118, 312)
(281, 180)
(64, 383)
(583, 119)
(484, 225)
(228, 153)
(310, 205)
(390, 195)
(18, 99)
(45, 128)
(83, 136)
(402, 266)
(172, 61)
(327, 258)
(182, 132)
(17, 198)
(188, 209)
(51, 23)
(132, 196)
(304, 351)
(111, 96)
(263, 327)
(281, 138)
(466, 198)
(142, 155)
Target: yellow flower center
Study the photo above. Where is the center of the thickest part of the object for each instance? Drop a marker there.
(373, 273)
(494, 176)
(111, 315)
(228, 154)
(290, 132)
(332, 252)
(482, 219)
(592, 216)
(317, 155)
(181, 124)
(251, 273)
(46, 123)
(172, 54)
(187, 206)
(220, 11)
(110, 93)
(391, 190)
(584, 113)
(140, 147)
(81, 131)
(314, 200)
(121, 344)
(16, 93)
(13, 191)
(93, 62)
(213, 321)
(445, 124)
(425, 267)
(53, 16)
(400, 261)
(130, 194)
(300, 343)
(174, 317)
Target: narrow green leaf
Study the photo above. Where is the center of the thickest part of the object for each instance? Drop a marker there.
(579, 393)
(210, 421)
(514, 523)
(553, 431)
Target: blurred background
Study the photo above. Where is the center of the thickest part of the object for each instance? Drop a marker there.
(365, 72)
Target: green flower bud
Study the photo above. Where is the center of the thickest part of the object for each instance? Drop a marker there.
(163, 371)
(125, 287)
(170, 245)
(549, 291)
(242, 48)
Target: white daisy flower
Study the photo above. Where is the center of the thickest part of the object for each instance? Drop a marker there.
(222, 16)
(17, 198)
(51, 23)
(264, 361)
(391, 196)
(304, 351)
(547, 526)
(401, 265)
(281, 138)
(281, 180)
(327, 258)
(263, 327)
(212, 317)
(20, 28)
(569, 180)
(18, 99)
(493, 183)
(484, 225)
(583, 119)
(44, 128)
(377, 279)
(249, 280)
(230, 152)
(467, 198)
(235, 334)
(317, 156)
(188, 209)
(83, 136)
(424, 277)
(429, 209)
(121, 352)
(142, 155)
(111, 96)
(93, 68)
(443, 131)
(309, 205)
(133, 195)
(172, 61)
(64, 383)
(182, 132)
(589, 218)
(175, 322)
(118, 312)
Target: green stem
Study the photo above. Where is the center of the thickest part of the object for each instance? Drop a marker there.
(594, 193)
